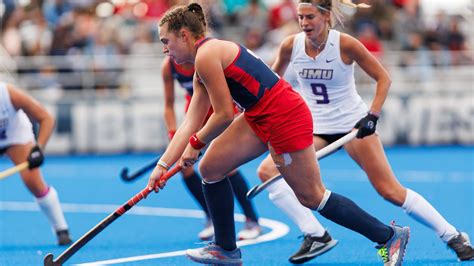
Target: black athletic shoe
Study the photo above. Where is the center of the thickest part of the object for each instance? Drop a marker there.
(312, 247)
(462, 246)
(63, 237)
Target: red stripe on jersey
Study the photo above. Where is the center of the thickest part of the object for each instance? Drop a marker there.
(239, 75)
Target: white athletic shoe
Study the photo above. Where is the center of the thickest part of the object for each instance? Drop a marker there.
(208, 232)
(251, 231)
(214, 255)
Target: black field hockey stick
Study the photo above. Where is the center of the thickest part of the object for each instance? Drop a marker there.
(319, 155)
(49, 259)
(127, 178)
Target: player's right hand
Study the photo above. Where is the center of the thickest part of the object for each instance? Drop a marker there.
(366, 126)
(35, 158)
(154, 182)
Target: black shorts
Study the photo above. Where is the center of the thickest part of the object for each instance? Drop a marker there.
(330, 138)
(3, 150)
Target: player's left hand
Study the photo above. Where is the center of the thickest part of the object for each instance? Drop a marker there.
(154, 182)
(189, 157)
(366, 125)
(35, 158)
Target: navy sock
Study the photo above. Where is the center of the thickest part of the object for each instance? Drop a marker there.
(345, 212)
(240, 188)
(220, 201)
(194, 185)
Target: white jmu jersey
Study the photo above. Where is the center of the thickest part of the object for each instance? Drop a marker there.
(15, 127)
(327, 84)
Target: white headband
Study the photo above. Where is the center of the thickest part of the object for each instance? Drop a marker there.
(317, 6)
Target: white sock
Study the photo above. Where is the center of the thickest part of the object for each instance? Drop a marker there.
(284, 198)
(50, 206)
(421, 210)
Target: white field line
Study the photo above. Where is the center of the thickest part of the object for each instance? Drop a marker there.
(277, 229)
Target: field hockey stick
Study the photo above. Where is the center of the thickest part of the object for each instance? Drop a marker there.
(319, 155)
(13, 170)
(49, 259)
(124, 173)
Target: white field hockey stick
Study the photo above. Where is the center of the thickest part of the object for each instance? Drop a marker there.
(13, 170)
(319, 155)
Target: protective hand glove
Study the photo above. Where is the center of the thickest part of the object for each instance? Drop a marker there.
(36, 158)
(366, 125)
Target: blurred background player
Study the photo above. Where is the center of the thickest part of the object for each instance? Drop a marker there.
(323, 59)
(184, 75)
(18, 143)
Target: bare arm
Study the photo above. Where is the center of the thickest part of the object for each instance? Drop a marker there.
(35, 110)
(283, 56)
(197, 112)
(353, 50)
(168, 82)
(209, 68)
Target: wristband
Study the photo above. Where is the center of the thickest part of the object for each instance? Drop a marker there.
(195, 142)
(376, 114)
(171, 134)
(163, 164)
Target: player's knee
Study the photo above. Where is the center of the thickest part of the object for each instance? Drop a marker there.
(309, 200)
(209, 172)
(204, 170)
(388, 193)
(263, 172)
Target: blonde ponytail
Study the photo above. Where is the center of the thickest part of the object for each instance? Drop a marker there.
(333, 6)
(349, 3)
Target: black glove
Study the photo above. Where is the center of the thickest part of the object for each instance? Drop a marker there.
(366, 126)
(36, 158)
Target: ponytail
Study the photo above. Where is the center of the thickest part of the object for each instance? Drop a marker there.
(333, 6)
(351, 4)
(197, 9)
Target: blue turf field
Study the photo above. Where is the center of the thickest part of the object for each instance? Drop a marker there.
(158, 229)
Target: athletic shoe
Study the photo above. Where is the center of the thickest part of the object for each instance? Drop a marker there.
(393, 251)
(63, 237)
(208, 232)
(461, 244)
(251, 231)
(312, 247)
(213, 254)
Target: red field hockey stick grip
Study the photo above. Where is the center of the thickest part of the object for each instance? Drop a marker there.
(144, 193)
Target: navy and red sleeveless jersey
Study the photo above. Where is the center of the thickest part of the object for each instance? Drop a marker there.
(248, 77)
(183, 76)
